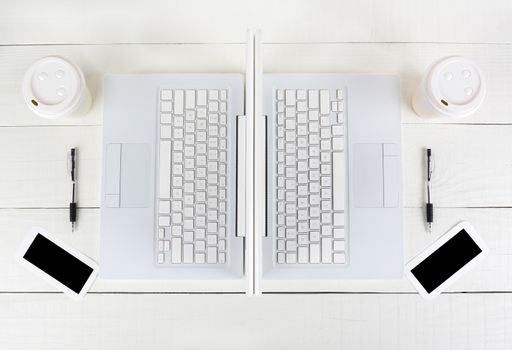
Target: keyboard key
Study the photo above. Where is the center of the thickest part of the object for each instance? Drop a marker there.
(291, 245)
(326, 250)
(211, 254)
(314, 212)
(339, 219)
(313, 115)
(337, 130)
(165, 169)
(212, 227)
(201, 114)
(314, 236)
(212, 239)
(303, 255)
(178, 102)
(176, 218)
(176, 250)
(166, 106)
(290, 97)
(291, 258)
(190, 115)
(188, 236)
(200, 258)
(338, 186)
(324, 102)
(302, 239)
(326, 230)
(339, 258)
(165, 118)
(339, 245)
(313, 99)
(325, 121)
(339, 233)
(337, 144)
(213, 106)
(201, 98)
(166, 95)
(214, 94)
(200, 245)
(314, 253)
(326, 205)
(188, 253)
(190, 99)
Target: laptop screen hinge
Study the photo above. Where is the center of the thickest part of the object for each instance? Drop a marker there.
(241, 184)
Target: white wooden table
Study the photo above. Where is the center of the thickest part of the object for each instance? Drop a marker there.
(473, 179)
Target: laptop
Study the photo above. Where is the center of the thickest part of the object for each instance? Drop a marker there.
(267, 176)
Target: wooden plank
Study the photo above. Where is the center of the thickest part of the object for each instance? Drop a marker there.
(473, 165)
(492, 275)
(409, 61)
(35, 22)
(33, 164)
(233, 322)
(494, 225)
(97, 61)
(86, 238)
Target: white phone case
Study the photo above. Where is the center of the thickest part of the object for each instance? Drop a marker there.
(464, 225)
(31, 235)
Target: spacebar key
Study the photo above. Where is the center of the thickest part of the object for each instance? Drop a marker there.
(165, 169)
(338, 180)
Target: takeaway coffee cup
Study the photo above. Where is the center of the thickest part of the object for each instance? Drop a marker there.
(452, 87)
(53, 87)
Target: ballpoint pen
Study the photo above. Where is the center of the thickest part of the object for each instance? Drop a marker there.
(429, 206)
(72, 205)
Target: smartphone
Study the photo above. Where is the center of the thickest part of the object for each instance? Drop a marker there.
(446, 260)
(60, 265)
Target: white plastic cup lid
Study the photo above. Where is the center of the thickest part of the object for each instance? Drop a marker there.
(52, 87)
(455, 86)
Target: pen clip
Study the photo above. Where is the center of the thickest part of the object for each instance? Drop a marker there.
(430, 164)
(71, 164)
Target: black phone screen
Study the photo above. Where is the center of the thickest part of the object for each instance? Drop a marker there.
(446, 260)
(58, 263)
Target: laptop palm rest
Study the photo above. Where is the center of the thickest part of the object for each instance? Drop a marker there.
(127, 175)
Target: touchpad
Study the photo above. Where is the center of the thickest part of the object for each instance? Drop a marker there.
(368, 175)
(135, 175)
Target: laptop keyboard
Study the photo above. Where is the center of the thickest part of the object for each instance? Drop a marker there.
(192, 187)
(309, 226)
